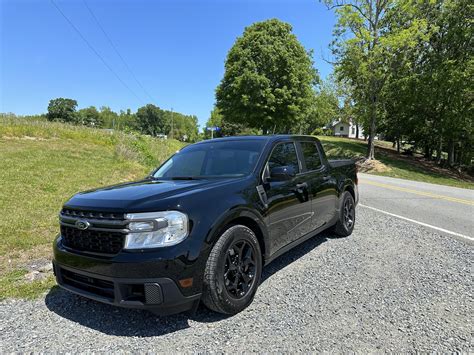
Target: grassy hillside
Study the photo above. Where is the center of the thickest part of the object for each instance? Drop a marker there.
(43, 164)
(389, 163)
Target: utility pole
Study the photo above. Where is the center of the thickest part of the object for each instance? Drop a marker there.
(172, 123)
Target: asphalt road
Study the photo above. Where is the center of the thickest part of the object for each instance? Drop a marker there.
(447, 209)
(393, 285)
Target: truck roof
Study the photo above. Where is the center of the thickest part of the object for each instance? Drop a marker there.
(268, 138)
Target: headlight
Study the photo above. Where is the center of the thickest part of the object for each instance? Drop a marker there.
(156, 229)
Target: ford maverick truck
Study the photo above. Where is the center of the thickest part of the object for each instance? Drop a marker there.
(201, 227)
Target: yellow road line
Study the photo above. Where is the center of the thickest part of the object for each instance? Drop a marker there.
(421, 193)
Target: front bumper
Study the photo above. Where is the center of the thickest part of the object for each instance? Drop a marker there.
(160, 295)
(133, 280)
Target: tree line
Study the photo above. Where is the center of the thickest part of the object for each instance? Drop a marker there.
(403, 70)
(408, 68)
(148, 119)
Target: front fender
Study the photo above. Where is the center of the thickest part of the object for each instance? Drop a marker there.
(235, 213)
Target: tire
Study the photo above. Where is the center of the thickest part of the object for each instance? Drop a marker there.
(346, 221)
(232, 275)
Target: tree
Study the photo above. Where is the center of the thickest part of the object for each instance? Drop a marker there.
(215, 120)
(127, 121)
(150, 120)
(89, 117)
(427, 96)
(227, 128)
(409, 67)
(359, 51)
(325, 108)
(446, 70)
(268, 81)
(109, 118)
(185, 128)
(62, 110)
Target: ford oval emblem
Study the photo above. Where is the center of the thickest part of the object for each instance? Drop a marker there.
(82, 225)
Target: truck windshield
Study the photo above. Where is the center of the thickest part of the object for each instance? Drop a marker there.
(213, 159)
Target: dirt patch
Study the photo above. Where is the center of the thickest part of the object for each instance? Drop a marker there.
(39, 269)
(371, 166)
(30, 260)
(28, 138)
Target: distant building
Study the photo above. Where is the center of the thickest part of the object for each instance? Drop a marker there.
(345, 129)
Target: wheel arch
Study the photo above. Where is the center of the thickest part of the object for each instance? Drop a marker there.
(244, 217)
(350, 189)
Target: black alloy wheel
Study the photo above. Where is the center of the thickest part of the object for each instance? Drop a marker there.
(239, 268)
(349, 213)
(347, 216)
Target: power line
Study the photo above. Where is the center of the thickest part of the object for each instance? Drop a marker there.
(116, 51)
(95, 52)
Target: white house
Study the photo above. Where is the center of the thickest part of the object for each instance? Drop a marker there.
(345, 129)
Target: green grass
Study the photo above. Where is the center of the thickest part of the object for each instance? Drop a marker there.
(342, 148)
(397, 166)
(43, 165)
(13, 285)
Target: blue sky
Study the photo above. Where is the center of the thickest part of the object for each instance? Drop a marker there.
(176, 49)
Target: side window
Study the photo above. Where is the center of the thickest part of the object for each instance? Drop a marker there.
(311, 155)
(284, 154)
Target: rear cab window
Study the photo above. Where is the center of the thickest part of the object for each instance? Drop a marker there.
(311, 156)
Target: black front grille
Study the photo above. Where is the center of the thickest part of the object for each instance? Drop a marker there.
(92, 240)
(93, 285)
(91, 214)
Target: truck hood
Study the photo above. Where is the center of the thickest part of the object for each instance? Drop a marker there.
(140, 195)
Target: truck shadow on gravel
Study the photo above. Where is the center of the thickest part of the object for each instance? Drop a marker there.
(128, 322)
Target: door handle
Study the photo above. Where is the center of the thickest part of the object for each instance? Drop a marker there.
(326, 178)
(301, 192)
(302, 185)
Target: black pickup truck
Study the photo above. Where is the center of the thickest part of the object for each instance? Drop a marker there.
(202, 226)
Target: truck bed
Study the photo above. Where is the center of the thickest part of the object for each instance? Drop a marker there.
(336, 163)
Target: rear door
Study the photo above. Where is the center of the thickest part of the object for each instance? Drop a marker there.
(289, 205)
(322, 186)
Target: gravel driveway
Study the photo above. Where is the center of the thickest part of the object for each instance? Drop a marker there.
(390, 286)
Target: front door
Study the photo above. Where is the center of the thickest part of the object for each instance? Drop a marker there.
(289, 203)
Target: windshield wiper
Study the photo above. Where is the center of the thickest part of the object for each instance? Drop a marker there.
(185, 178)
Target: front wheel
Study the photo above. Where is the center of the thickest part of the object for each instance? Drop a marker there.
(346, 221)
(233, 271)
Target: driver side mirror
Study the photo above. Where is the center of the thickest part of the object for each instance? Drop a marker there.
(282, 173)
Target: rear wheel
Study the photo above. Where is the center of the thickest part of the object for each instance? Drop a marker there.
(233, 271)
(346, 222)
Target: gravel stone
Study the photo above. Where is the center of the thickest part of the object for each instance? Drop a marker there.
(390, 286)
